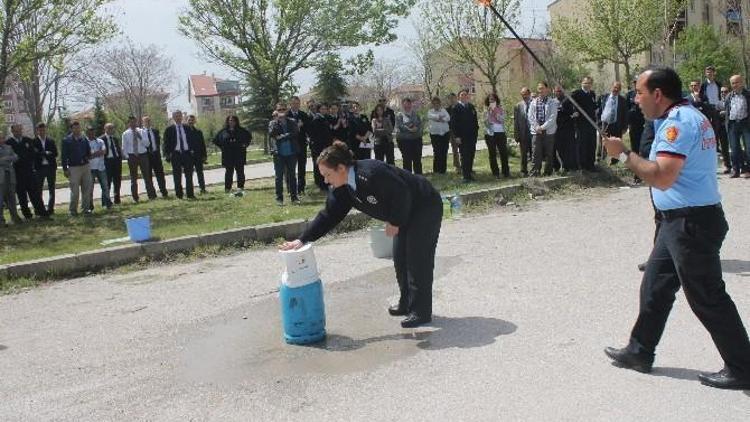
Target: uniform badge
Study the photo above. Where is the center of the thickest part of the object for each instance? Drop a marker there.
(371, 199)
(672, 133)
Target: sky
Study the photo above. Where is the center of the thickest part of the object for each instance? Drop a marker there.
(155, 22)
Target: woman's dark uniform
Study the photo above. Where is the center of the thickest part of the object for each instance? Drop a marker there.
(404, 200)
(233, 145)
(321, 137)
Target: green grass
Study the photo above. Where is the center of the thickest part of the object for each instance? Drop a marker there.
(211, 212)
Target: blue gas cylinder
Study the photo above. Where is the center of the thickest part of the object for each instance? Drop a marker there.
(303, 313)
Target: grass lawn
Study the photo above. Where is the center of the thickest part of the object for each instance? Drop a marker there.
(211, 212)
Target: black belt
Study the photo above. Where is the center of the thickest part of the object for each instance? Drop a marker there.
(687, 211)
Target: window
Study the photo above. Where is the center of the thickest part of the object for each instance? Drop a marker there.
(227, 101)
(207, 102)
(734, 21)
(7, 105)
(10, 118)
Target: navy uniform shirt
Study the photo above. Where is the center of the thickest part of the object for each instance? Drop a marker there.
(685, 133)
(382, 191)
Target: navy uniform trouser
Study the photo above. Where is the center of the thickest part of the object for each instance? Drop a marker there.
(414, 256)
(686, 254)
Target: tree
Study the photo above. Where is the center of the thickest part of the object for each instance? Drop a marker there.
(470, 34)
(615, 31)
(701, 46)
(126, 86)
(100, 117)
(330, 85)
(424, 49)
(267, 41)
(733, 10)
(34, 30)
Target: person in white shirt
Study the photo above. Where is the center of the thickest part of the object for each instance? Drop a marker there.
(543, 124)
(497, 141)
(153, 148)
(98, 170)
(135, 147)
(439, 128)
(47, 170)
(113, 161)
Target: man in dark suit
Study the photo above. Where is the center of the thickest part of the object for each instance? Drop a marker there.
(521, 128)
(26, 177)
(302, 119)
(585, 134)
(699, 100)
(46, 164)
(113, 161)
(154, 155)
(180, 150)
(711, 90)
(565, 134)
(465, 127)
(636, 121)
(201, 154)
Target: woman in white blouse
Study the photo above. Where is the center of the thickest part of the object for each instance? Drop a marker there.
(497, 141)
(438, 119)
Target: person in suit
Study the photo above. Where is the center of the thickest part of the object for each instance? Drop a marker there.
(585, 134)
(711, 90)
(201, 153)
(156, 166)
(613, 112)
(180, 151)
(543, 126)
(361, 129)
(233, 141)
(636, 121)
(698, 100)
(26, 173)
(282, 136)
(737, 106)
(135, 149)
(8, 183)
(521, 128)
(302, 119)
(46, 164)
(465, 126)
(321, 138)
(411, 208)
(113, 161)
(565, 135)
(75, 157)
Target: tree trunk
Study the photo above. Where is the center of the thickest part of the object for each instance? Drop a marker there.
(628, 76)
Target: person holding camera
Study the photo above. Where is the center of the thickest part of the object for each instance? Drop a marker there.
(282, 137)
(233, 141)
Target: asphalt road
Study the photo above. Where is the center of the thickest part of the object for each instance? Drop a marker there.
(525, 301)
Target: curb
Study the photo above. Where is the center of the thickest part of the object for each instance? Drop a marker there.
(69, 265)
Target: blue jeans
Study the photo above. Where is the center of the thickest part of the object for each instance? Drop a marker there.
(285, 165)
(737, 129)
(101, 177)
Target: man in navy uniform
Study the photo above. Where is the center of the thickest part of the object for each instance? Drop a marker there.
(585, 134)
(681, 171)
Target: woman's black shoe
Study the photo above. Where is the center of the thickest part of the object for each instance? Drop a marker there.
(414, 320)
(398, 310)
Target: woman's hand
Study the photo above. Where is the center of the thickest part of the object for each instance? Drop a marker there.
(391, 230)
(293, 245)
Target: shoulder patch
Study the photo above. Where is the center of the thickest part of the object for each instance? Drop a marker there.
(672, 133)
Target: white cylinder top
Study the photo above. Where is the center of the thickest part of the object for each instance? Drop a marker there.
(301, 267)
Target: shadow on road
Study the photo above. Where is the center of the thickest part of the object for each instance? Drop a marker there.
(3, 347)
(461, 333)
(736, 266)
(676, 373)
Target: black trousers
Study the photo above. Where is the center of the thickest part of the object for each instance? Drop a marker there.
(27, 190)
(411, 155)
(302, 166)
(229, 171)
(721, 134)
(636, 133)
(317, 177)
(384, 151)
(414, 256)
(363, 153)
(182, 163)
(497, 144)
(156, 168)
(686, 254)
(114, 177)
(47, 174)
(524, 146)
(468, 150)
(283, 166)
(586, 138)
(440, 144)
(201, 177)
(564, 149)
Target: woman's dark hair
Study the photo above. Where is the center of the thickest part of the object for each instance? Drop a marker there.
(380, 107)
(336, 154)
(232, 117)
(490, 97)
(666, 79)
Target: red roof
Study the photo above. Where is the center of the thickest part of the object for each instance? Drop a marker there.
(204, 85)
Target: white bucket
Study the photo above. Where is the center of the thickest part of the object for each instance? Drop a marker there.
(380, 243)
(301, 267)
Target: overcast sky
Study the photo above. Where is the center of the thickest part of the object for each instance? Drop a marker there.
(155, 22)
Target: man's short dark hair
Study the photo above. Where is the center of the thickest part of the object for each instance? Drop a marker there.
(131, 118)
(41, 125)
(546, 85)
(75, 123)
(452, 94)
(294, 98)
(666, 80)
(710, 67)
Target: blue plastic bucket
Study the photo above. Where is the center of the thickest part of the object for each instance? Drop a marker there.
(139, 228)
(303, 313)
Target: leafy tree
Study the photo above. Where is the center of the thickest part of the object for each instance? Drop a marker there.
(34, 30)
(701, 45)
(267, 41)
(470, 34)
(100, 117)
(616, 31)
(330, 85)
(424, 48)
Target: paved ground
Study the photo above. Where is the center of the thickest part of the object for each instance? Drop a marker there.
(525, 302)
(213, 177)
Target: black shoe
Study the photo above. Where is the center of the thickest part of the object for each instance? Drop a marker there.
(724, 379)
(623, 358)
(642, 266)
(735, 175)
(727, 171)
(414, 320)
(398, 310)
